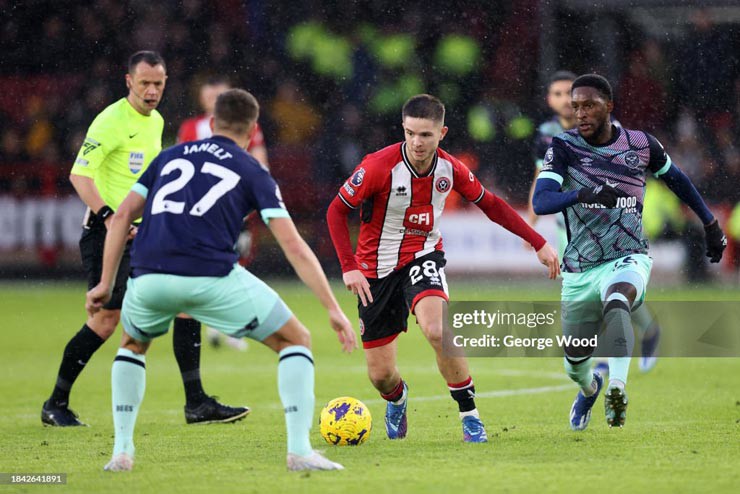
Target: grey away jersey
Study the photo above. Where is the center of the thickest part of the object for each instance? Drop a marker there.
(597, 234)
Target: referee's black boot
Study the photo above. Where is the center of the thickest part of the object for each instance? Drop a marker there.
(59, 416)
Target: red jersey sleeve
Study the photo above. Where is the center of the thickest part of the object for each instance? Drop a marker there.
(465, 183)
(363, 184)
(336, 220)
(358, 187)
(187, 132)
(256, 138)
(494, 207)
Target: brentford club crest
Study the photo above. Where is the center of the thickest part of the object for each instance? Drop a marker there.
(442, 185)
(362, 328)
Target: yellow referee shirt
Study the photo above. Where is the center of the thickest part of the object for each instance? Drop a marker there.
(119, 146)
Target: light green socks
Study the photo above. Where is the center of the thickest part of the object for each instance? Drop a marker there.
(128, 382)
(295, 385)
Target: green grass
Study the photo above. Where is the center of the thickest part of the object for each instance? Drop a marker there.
(681, 435)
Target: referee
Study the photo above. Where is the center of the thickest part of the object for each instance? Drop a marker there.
(120, 143)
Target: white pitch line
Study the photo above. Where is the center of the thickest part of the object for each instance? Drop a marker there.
(488, 394)
(502, 393)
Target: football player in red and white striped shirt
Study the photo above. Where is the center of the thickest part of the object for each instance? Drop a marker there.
(399, 263)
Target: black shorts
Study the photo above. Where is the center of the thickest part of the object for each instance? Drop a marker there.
(91, 250)
(397, 294)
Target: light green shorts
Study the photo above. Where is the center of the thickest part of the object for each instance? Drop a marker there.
(238, 304)
(583, 293)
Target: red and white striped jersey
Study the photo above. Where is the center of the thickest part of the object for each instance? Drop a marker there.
(400, 209)
(197, 128)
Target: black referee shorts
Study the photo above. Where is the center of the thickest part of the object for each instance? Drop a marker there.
(91, 250)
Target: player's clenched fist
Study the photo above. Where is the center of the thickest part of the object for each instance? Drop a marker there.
(96, 298)
(356, 283)
(549, 257)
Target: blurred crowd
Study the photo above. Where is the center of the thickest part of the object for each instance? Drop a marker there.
(332, 76)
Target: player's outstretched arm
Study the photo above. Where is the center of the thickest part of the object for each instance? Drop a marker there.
(118, 232)
(307, 266)
(684, 189)
(500, 212)
(548, 199)
(549, 257)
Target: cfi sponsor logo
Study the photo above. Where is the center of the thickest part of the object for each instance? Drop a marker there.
(443, 185)
(358, 177)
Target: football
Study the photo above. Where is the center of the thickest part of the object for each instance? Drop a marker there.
(345, 421)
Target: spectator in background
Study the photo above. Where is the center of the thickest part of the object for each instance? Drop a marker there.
(296, 119)
(707, 64)
(11, 147)
(341, 145)
(641, 96)
(40, 135)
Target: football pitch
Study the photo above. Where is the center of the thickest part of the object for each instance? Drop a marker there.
(682, 432)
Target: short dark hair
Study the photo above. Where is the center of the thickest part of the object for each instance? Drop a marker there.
(595, 81)
(561, 75)
(424, 106)
(236, 110)
(150, 57)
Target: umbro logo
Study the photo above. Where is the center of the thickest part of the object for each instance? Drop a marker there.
(611, 184)
(401, 191)
(586, 161)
